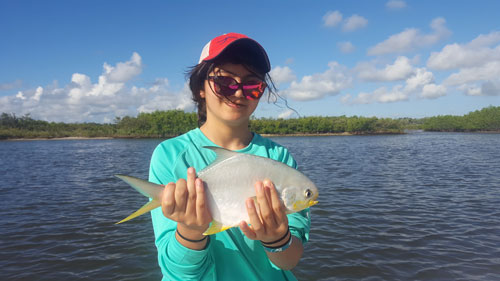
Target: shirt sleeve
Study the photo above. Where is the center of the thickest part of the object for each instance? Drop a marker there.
(176, 261)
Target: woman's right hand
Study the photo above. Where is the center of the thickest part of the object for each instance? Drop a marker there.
(185, 202)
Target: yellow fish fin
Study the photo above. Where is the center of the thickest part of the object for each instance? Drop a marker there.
(153, 204)
(215, 227)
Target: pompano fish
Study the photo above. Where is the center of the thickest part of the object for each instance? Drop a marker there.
(230, 180)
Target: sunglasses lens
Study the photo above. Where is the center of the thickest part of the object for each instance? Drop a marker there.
(227, 86)
(253, 89)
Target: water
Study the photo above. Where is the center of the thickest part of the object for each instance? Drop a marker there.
(423, 206)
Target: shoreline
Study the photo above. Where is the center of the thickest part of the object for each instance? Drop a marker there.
(59, 138)
(264, 135)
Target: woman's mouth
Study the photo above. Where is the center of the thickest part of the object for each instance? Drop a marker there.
(234, 105)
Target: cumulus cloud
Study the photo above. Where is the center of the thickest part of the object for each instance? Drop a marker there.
(332, 18)
(399, 70)
(282, 75)
(286, 114)
(352, 23)
(411, 39)
(476, 65)
(433, 91)
(311, 87)
(81, 100)
(420, 84)
(382, 95)
(346, 47)
(478, 52)
(488, 88)
(395, 4)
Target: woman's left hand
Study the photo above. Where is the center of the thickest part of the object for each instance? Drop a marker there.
(268, 220)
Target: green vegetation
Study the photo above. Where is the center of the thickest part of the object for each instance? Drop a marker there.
(163, 124)
(486, 119)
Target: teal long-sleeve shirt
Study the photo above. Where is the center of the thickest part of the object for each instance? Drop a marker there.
(229, 255)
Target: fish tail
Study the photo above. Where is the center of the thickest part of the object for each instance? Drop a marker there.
(215, 227)
(153, 204)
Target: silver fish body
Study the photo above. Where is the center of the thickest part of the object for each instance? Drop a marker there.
(230, 180)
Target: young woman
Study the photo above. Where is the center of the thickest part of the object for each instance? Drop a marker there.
(226, 85)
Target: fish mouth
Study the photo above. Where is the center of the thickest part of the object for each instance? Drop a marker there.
(312, 203)
(300, 205)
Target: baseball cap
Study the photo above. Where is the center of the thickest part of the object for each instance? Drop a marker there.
(236, 40)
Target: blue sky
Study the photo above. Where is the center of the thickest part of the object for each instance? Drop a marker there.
(90, 61)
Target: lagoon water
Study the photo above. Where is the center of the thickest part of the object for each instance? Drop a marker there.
(420, 206)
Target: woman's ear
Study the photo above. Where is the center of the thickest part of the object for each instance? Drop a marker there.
(202, 94)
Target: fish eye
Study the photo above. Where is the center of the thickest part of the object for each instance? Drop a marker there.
(308, 193)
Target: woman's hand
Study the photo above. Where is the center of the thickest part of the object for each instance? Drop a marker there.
(269, 223)
(185, 202)
(268, 220)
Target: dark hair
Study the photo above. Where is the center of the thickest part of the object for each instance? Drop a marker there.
(199, 73)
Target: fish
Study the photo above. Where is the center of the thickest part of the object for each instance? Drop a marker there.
(229, 180)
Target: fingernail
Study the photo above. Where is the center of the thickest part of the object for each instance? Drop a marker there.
(249, 204)
(267, 183)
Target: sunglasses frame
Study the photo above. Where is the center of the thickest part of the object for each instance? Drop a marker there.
(241, 86)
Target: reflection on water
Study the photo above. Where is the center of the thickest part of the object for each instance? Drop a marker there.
(409, 207)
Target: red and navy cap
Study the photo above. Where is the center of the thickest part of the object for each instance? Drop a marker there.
(235, 40)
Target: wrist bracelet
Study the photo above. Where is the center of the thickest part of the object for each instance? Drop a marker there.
(274, 242)
(190, 240)
(279, 248)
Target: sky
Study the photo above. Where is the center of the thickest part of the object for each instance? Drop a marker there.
(93, 61)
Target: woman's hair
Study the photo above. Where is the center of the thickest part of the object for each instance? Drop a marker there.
(200, 72)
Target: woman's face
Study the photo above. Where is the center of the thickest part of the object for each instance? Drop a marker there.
(235, 109)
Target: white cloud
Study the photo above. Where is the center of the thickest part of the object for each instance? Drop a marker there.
(20, 95)
(420, 84)
(400, 70)
(286, 114)
(488, 88)
(161, 101)
(382, 95)
(124, 71)
(319, 85)
(421, 78)
(433, 91)
(478, 52)
(84, 101)
(282, 75)
(411, 39)
(488, 71)
(395, 4)
(332, 18)
(477, 65)
(346, 47)
(353, 23)
(38, 94)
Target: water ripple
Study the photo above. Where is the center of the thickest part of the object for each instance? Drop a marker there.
(411, 207)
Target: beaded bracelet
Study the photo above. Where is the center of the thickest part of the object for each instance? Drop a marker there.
(280, 248)
(190, 240)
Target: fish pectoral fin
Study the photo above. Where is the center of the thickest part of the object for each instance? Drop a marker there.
(215, 227)
(153, 204)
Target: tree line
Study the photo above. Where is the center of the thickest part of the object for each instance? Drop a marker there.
(486, 119)
(164, 124)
